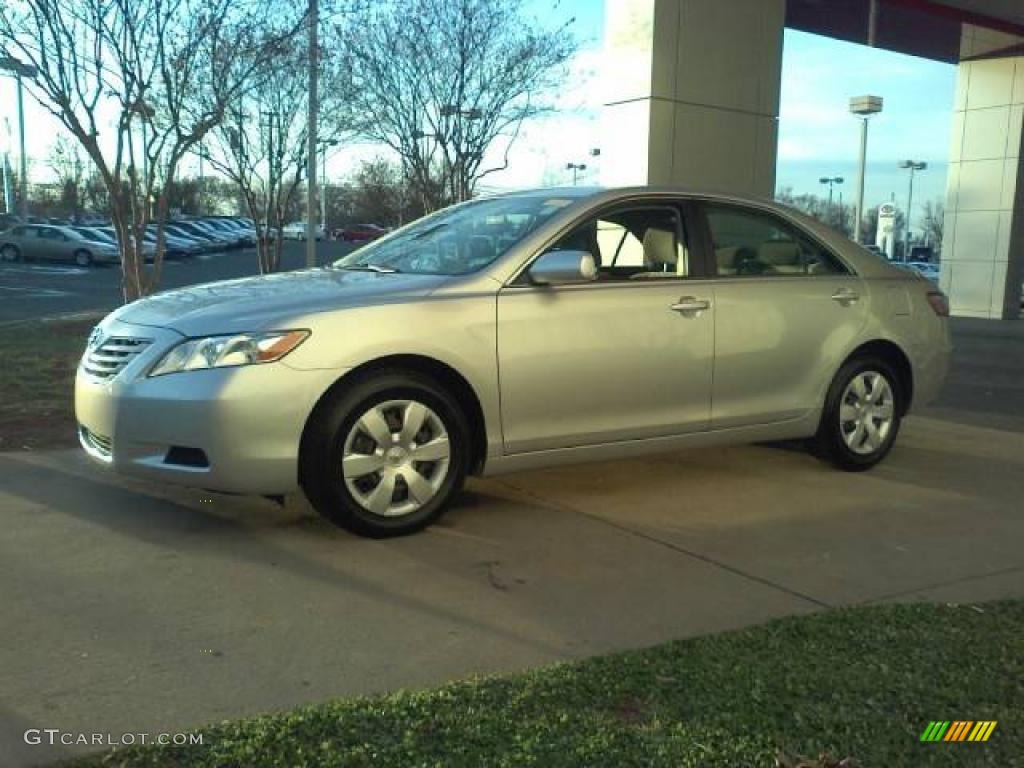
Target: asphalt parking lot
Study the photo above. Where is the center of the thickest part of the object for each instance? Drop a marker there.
(134, 608)
(40, 289)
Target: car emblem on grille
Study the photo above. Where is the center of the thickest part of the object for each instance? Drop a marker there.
(95, 338)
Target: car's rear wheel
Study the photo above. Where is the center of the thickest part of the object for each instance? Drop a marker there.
(385, 456)
(10, 253)
(862, 414)
(83, 258)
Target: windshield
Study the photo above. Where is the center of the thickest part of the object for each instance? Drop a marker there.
(458, 240)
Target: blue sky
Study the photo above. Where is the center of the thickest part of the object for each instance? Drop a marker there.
(818, 136)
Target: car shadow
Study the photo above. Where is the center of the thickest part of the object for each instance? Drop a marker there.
(168, 524)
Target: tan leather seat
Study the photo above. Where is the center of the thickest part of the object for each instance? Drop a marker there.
(781, 256)
(660, 253)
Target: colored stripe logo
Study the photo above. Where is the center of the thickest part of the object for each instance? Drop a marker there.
(958, 730)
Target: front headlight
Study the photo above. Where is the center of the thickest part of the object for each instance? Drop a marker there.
(228, 351)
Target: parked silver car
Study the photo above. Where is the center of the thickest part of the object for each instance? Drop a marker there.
(51, 242)
(516, 331)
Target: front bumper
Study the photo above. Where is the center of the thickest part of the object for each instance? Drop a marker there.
(245, 422)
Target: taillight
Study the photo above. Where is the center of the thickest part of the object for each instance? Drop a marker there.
(939, 302)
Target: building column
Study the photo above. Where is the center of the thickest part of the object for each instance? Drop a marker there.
(692, 93)
(983, 231)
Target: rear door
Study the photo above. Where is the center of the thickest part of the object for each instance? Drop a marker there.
(787, 310)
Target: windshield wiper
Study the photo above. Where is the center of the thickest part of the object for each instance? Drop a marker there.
(371, 268)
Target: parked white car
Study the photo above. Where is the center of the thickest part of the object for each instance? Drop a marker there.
(297, 231)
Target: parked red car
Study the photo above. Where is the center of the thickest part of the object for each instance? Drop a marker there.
(360, 233)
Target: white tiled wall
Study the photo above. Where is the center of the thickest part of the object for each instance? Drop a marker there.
(982, 199)
(681, 107)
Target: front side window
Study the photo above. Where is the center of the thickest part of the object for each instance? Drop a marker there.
(459, 240)
(750, 243)
(634, 243)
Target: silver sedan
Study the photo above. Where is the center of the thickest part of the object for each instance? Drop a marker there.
(50, 242)
(511, 332)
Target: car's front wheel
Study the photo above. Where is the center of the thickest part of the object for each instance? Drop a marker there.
(384, 456)
(83, 258)
(862, 414)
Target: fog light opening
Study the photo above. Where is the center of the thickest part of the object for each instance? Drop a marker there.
(186, 457)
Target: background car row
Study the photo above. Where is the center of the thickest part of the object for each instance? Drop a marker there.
(92, 244)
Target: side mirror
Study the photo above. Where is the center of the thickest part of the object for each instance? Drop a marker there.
(559, 267)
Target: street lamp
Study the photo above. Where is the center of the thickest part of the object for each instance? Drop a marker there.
(5, 170)
(575, 167)
(323, 182)
(863, 107)
(831, 181)
(146, 112)
(912, 166)
(20, 70)
(473, 113)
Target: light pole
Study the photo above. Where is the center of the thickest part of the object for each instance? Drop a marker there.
(311, 123)
(146, 112)
(474, 113)
(202, 185)
(323, 182)
(863, 107)
(412, 171)
(575, 168)
(20, 70)
(5, 168)
(831, 181)
(912, 166)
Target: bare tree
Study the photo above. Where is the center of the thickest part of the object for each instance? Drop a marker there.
(65, 160)
(377, 194)
(163, 71)
(931, 223)
(262, 146)
(441, 81)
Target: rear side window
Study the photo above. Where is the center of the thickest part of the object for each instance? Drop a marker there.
(750, 243)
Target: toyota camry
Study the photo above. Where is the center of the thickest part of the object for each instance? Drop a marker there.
(511, 332)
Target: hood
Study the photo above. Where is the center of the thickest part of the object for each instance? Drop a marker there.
(266, 301)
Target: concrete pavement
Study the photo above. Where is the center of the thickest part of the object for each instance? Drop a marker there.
(130, 607)
(135, 608)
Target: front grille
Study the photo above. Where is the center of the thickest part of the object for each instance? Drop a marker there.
(99, 445)
(110, 356)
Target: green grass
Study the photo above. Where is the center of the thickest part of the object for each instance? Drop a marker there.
(37, 381)
(861, 683)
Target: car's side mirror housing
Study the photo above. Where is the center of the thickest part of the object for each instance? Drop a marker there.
(562, 267)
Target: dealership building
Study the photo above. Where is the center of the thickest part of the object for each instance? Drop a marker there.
(698, 81)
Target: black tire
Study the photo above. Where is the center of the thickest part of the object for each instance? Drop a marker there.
(830, 441)
(323, 447)
(10, 253)
(83, 258)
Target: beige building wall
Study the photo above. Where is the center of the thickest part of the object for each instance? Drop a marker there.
(692, 93)
(983, 232)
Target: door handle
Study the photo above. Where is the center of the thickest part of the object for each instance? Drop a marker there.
(846, 296)
(690, 304)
